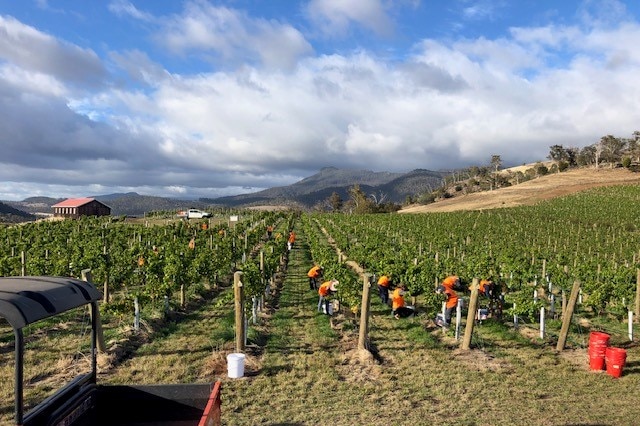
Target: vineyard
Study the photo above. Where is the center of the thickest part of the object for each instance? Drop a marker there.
(534, 254)
(591, 237)
(154, 264)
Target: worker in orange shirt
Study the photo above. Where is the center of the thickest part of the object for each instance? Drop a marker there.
(383, 288)
(453, 282)
(447, 288)
(325, 291)
(491, 291)
(315, 275)
(291, 240)
(399, 309)
(485, 288)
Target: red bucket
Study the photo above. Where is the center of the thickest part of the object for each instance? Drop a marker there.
(615, 359)
(596, 362)
(598, 343)
(598, 338)
(596, 358)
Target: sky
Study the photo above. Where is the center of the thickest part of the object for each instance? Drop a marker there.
(204, 98)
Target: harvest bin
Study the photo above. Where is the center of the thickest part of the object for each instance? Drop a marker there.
(83, 402)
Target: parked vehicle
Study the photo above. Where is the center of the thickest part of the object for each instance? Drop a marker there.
(193, 214)
(82, 401)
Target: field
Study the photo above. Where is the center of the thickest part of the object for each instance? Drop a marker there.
(305, 368)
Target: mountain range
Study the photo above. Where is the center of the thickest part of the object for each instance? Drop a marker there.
(308, 193)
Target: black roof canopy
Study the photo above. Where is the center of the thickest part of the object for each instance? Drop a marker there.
(25, 300)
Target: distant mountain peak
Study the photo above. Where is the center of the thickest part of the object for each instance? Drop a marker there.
(317, 188)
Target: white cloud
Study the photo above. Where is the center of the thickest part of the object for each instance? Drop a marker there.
(126, 8)
(336, 16)
(37, 52)
(233, 36)
(482, 10)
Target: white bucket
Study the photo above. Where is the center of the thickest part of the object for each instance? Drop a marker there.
(235, 365)
(329, 306)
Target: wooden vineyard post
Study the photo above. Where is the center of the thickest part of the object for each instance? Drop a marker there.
(471, 316)
(239, 310)
(364, 312)
(262, 281)
(86, 276)
(566, 318)
(637, 312)
(23, 261)
(105, 295)
(136, 314)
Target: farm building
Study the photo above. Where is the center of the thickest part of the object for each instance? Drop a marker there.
(76, 207)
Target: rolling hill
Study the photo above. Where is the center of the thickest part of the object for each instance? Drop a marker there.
(394, 187)
(533, 191)
(316, 189)
(307, 193)
(10, 214)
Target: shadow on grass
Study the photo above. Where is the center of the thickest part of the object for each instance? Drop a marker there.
(632, 367)
(274, 370)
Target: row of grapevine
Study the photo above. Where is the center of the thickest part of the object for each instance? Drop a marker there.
(133, 260)
(591, 237)
(323, 253)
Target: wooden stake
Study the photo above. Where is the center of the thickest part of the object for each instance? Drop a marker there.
(86, 276)
(471, 316)
(238, 292)
(364, 313)
(566, 319)
(105, 287)
(637, 312)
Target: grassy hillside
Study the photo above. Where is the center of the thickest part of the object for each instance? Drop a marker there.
(533, 191)
(9, 214)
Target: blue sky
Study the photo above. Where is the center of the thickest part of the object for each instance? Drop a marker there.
(202, 98)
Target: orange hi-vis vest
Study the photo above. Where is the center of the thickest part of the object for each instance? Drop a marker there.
(314, 272)
(325, 289)
(384, 281)
(483, 285)
(292, 237)
(452, 298)
(397, 299)
(450, 281)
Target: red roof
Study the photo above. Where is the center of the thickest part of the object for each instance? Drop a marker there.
(73, 202)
